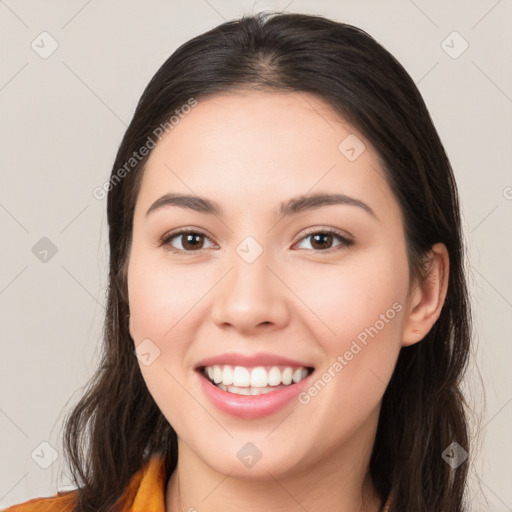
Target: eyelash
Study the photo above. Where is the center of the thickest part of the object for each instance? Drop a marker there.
(345, 242)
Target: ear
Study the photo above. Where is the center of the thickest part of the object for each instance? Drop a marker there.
(427, 296)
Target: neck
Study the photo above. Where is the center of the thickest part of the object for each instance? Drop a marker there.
(338, 481)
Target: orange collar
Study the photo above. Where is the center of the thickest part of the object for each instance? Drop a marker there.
(147, 487)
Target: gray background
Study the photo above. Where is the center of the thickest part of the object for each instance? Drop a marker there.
(62, 119)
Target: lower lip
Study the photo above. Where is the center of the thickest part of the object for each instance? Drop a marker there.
(251, 406)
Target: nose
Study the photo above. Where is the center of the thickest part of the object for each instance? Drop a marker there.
(251, 297)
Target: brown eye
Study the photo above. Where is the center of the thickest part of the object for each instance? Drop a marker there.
(190, 241)
(322, 240)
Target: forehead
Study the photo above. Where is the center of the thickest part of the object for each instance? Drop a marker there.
(251, 146)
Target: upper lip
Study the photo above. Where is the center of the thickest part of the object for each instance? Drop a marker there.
(249, 360)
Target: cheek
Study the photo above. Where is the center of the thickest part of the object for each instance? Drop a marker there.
(166, 308)
(347, 298)
(162, 299)
(358, 320)
(161, 296)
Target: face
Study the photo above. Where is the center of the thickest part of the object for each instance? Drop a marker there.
(316, 291)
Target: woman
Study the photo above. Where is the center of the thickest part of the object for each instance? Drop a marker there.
(288, 321)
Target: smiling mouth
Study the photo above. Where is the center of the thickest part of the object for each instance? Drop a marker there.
(257, 380)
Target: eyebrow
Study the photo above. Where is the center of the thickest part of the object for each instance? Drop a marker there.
(292, 206)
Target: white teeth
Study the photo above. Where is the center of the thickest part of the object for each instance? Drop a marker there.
(248, 391)
(287, 376)
(227, 375)
(217, 374)
(297, 375)
(258, 377)
(254, 379)
(241, 377)
(274, 376)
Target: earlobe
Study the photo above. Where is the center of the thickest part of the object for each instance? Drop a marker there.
(428, 296)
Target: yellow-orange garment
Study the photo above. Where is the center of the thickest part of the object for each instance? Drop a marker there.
(144, 493)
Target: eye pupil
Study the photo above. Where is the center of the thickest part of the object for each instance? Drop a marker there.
(321, 236)
(188, 240)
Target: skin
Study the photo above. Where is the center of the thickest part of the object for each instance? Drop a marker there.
(249, 151)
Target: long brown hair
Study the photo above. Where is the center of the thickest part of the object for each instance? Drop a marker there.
(116, 426)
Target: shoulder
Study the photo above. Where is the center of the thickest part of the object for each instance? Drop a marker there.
(61, 502)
